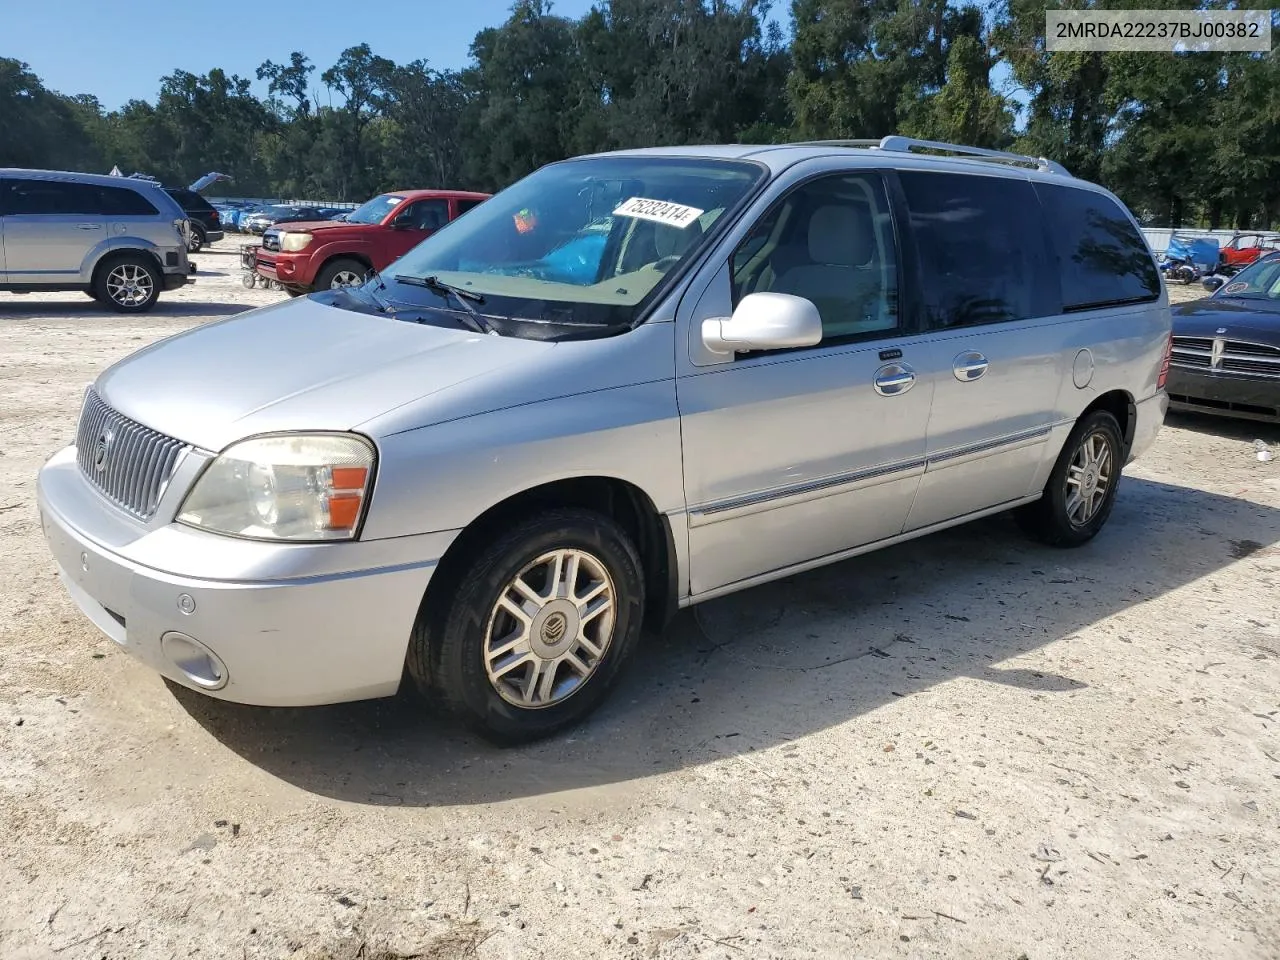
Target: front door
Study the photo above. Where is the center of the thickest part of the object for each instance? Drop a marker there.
(1001, 351)
(416, 221)
(49, 227)
(795, 455)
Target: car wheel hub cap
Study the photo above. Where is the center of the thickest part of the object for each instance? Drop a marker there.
(128, 284)
(550, 629)
(1088, 479)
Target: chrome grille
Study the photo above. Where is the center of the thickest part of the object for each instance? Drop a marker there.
(1258, 358)
(271, 240)
(129, 463)
(1191, 351)
(1227, 356)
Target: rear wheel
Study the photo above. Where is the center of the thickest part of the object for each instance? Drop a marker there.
(128, 284)
(343, 272)
(197, 240)
(1082, 487)
(538, 628)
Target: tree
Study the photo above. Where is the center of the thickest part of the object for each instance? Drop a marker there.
(361, 79)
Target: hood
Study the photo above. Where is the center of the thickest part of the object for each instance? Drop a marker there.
(321, 226)
(1242, 319)
(299, 365)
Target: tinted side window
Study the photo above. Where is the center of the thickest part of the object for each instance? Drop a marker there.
(981, 241)
(426, 214)
(830, 241)
(50, 197)
(465, 205)
(120, 202)
(1103, 259)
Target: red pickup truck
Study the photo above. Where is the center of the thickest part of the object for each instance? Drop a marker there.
(321, 254)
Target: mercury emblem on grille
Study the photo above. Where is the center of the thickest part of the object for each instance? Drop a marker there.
(101, 449)
(1215, 355)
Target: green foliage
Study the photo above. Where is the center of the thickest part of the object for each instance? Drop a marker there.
(1182, 139)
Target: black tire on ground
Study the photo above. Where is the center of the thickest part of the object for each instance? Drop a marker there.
(128, 283)
(294, 291)
(1054, 518)
(447, 649)
(197, 241)
(250, 280)
(336, 268)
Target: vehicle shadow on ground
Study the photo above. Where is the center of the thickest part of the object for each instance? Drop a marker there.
(773, 664)
(1227, 427)
(85, 309)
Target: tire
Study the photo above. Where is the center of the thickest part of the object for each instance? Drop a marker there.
(1055, 519)
(295, 291)
(447, 651)
(197, 240)
(128, 284)
(250, 280)
(335, 270)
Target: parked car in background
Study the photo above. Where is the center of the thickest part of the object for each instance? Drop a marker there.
(118, 239)
(1246, 247)
(308, 255)
(206, 222)
(259, 220)
(1226, 347)
(487, 468)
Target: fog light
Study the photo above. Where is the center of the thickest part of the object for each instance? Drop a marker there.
(194, 660)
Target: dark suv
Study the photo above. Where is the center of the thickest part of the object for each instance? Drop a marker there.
(206, 223)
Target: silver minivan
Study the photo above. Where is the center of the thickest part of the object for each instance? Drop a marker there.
(626, 384)
(118, 239)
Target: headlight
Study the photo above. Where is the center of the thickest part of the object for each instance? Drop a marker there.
(294, 487)
(293, 242)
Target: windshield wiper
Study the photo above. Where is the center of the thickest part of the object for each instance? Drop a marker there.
(475, 319)
(379, 283)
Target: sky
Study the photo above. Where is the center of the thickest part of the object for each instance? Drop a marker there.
(119, 52)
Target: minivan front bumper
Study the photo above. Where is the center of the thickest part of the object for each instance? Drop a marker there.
(268, 626)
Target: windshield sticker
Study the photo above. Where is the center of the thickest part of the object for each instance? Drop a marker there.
(659, 211)
(1236, 287)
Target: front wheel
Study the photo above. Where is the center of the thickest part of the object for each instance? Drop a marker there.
(342, 272)
(538, 628)
(1082, 487)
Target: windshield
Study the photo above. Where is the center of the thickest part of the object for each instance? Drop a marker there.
(583, 241)
(375, 210)
(1259, 281)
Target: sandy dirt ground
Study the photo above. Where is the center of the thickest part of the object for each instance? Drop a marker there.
(965, 747)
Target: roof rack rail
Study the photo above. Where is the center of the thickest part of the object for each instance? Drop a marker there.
(907, 144)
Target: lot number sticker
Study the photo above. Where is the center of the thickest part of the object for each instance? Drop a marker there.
(659, 211)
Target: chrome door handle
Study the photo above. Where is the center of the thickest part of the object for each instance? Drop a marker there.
(88, 226)
(894, 378)
(968, 366)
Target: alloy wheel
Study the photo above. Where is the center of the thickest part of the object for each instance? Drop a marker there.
(1088, 478)
(550, 629)
(129, 285)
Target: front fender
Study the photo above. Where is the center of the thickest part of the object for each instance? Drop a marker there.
(338, 248)
(444, 476)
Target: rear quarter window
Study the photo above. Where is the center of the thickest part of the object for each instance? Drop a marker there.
(982, 248)
(126, 203)
(1102, 258)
